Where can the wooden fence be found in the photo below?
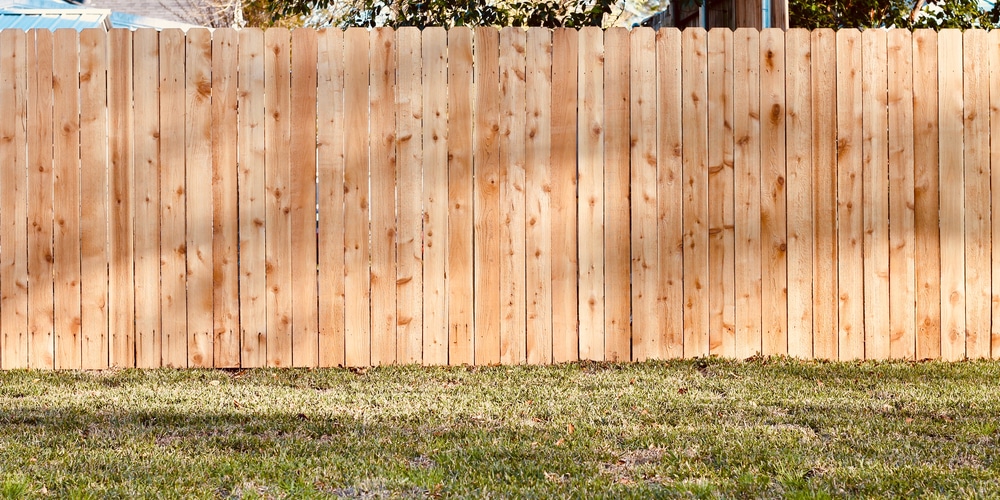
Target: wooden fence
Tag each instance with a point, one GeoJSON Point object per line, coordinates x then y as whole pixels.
{"type": "Point", "coordinates": [321, 198]}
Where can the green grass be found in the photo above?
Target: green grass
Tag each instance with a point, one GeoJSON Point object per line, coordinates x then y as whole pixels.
{"type": "Point", "coordinates": [706, 428]}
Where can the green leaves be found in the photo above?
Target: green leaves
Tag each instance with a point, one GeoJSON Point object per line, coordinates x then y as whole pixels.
{"type": "Point", "coordinates": [935, 14]}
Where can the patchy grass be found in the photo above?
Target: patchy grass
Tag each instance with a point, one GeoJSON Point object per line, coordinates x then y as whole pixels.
{"type": "Point", "coordinates": [705, 428]}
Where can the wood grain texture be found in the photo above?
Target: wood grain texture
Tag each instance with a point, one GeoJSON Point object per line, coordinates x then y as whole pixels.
{"type": "Point", "coordinates": [994, 63]}
{"type": "Point", "coordinates": [669, 342]}
{"type": "Point", "coordinates": [565, 326]}
{"type": "Point", "coordinates": [146, 220]}
{"type": "Point", "coordinates": [122, 202]}
{"type": "Point", "coordinates": [225, 200]}
{"type": "Point", "coordinates": [173, 265]}
{"type": "Point", "coordinates": [645, 255]}
{"type": "Point", "coordinates": [617, 239]}
{"type": "Point", "coordinates": [951, 166]}
{"type": "Point", "coordinates": [198, 187]}
{"type": "Point", "coordinates": [875, 168]}
{"type": "Point", "coordinates": [538, 196]}
{"type": "Point", "coordinates": [434, 165]}
{"type": "Point", "coordinates": [250, 182]}
{"type": "Point", "coordinates": [382, 169]}
{"type": "Point", "coordinates": [357, 278]}
{"type": "Point", "coordinates": [746, 191]}
{"type": "Point", "coordinates": [798, 164]}
{"type": "Point", "coordinates": [303, 190]}
{"type": "Point", "coordinates": [94, 199]}
{"type": "Point", "coordinates": [978, 237]}
{"type": "Point", "coordinates": [66, 199]}
{"type": "Point", "coordinates": [850, 229]}
{"type": "Point", "coordinates": [902, 285]}
{"type": "Point", "coordinates": [409, 185]}
{"type": "Point", "coordinates": [721, 274]}
{"type": "Point", "coordinates": [590, 198]}
{"type": "Point", "coordinates": [774, 293]}
{"type": "Point", "coordinates": [824, 194]}
{"type": "Point", "coordinates": [513, 105]}
{"type": "Point", "coordinates": [925, 194]}
{"type": "Point", "coordinates": [330, 143]}
{"type": "Point", "coordinates": [461, 326]}
{"type": "Point", "coordinates": [486, 195]}
{"type": "Point", "coordinates": [14, 205]}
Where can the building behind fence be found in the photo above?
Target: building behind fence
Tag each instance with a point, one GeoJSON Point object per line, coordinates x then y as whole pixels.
{"type": "Point", "coordinates": [323, 198]}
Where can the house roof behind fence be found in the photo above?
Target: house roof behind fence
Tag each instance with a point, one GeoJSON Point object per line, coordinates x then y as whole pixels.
{"type": "Point", "coordinates": [56, 14]}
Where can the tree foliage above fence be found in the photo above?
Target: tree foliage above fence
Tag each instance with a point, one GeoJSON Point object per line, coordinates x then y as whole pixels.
{"type": "Point", "coordinates": [910, 14]}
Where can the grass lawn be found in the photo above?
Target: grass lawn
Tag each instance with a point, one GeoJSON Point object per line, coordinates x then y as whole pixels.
{"type": "Point", "coordinates": [705, 428]}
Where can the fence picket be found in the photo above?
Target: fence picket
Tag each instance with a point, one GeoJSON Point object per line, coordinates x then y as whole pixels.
{"type": "Point", "coordinates": [774, 296]}
{"type": "Point", "coordinates": [994, 72]}
{"type": "Point", "coordinates": [357, 278]}
{"type": "Point", "coordinates": [198, 199]}
{"type": "Point", "coordinates": [850, 231]}
{"type": "Point", "coordinates": [225, 202]}
{"type": "Point", "coordinates": [66, 198]}
{"type": "Point", "coordinates": [746, 180]}
{"type": "Point", "coordinates": [435, 190]}
{"type": "Point", "coordinates": [798, 165]}
{"type": "Point", "coordinates": [538, 189]}
{"type": "Point", "coordinates": [824, 193]}
{"type": "Point", "coordinates": [409, 238]}
{"type": "Point", "coordinates": [302, 191]}
{"type": "Point", "coordinates": [902, 300]}
{"type": "Point", "coordinates": [978, 248]}
{"type": "Point", "coordinates": [486, 195]}
{"type": "Point", "coordinates": [14, 204]}
{"type": "Point", "coordinates": [617, 239]}
{"type": "Point", "coordinates": [461, 326]}
{"type": "Point", "coordinates": [250, 182]}
{"type": "Point", "coordinates": [41, 348]}
{"type": "Point", "coordinates": [721, 273]}
{"type": "Point", "coordinates": [565, 324]}
{"type": "Point", "coordinates": [952, 186]}
{"type": "Point", "coordinates": [590, 200]}
{"type": "Point", "coordinates": [330, 138]}
{"type": "Point", "coordinates": [513, 322]}
{"type": "Point", "coordinates": [669, 342]}
{"type": "Point", "coordinates": [645, 316]}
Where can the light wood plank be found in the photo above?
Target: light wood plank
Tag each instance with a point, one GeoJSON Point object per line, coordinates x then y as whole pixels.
{"type": "Point", "coordinates": [513, 337]}
{"type": "Point", "coordinates": [565, 325]}
{"type": "Point", "coordinates": [250, 184]}
{"type": "Point", "coordinates": [122, 318]}
{"type": "Point", "coordinates": [486, 195]}
{"type": "Point", "coordinates": [198, 202]}
{"type": "Point", "coordinates": [409, 238]}
{"type": "Point", "coordinates": [850, 229]}
{"type": "Point", "coordinates": [41, 348]}
{"type": "Point", "coordinates": [225, 200]}
{"type": "Point", "coordinates": [925, 193]}
{"type": "Point", "coordinates": [994, 63]}
{"type": "Point", "coordinates": [645, 316]}
{"type": "Point", "coordinates": [799, 219]}
{"type": "Point", "coordinates": [461, 327]}
{"type": "Point", "coordinates": [669, 342]}
{"type": "Point", "coordinates": [824, 194]}
{"type": "Point", "coordinates": [538, 189]}
{"type": "Point", "coordinates": [14, 204]}
{"type": "Point", "coordinates": [357, 279]}
{"type": "Point", "coordinates": [875, 167]}
{"type": "Point", "coordinates": [278, 197]}
{"type": "Point", "coordinates": [146, 162]}
{"type": "Point", "coordinates": [382, 154]}
{"type": "Point", "coordinates": [746, 180]}
{"type": "Point", "coordinates": [66, 198]}
{"type": "Point", "coordinates": [330, 153]}
{"type": "Point", "coordinates": [695, 198]}
{"type": "Point", "coordinates": [978, 240]}
{"type": "Point", "coordinates": [721, 275]}
{"type": "Point", "coordinates": [590, 199]}
{"type": "Point", "coordinates": [902, 285]}
{"type": "Point", "coordinates": [617, 238]}
{"type": "Point", "coordinates": [952, 193]}
{"type": "Point", "coordinates": [173, 271]}
{"type": "Point", "coordinates": [302, 190]}
{"type": "Point", "coordinates": [774, 293]}
{"type": "Point", "coordinates": [94, 198]}
{"type": "Point", "coordinates": [435, 192]}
